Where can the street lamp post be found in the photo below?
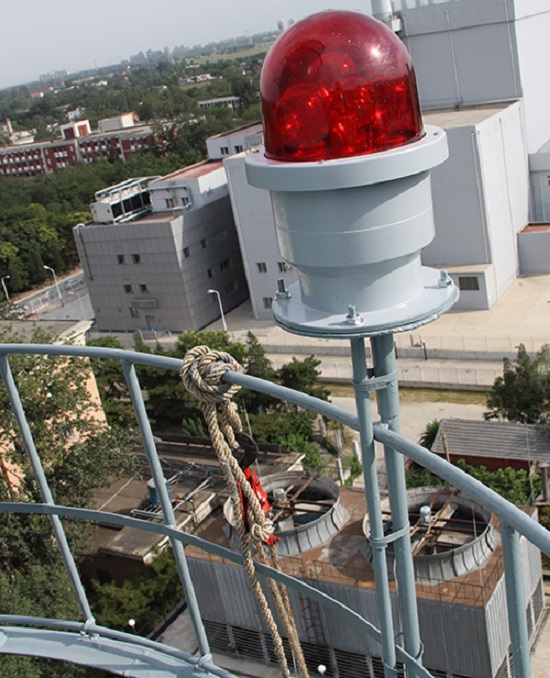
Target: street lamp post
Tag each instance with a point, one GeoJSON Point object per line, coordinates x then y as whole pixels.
{"type": "Point", "coordinates": [49, 268]}
{"type": "Point", "coordinates": [6, 277]}
{"type": "Point", "coordinates": [224, 324]}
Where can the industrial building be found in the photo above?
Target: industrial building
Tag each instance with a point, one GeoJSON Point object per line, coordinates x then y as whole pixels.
{"type": "Point", "coordinates": [324, 538]}
{"type": "Point", "coordinates": [156, 246]}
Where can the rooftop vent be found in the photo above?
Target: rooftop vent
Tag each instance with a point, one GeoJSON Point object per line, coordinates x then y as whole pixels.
{"type": "Point", "coordinates": [306, 509]}
{"type": "Point", "coordinates": [451, 535]}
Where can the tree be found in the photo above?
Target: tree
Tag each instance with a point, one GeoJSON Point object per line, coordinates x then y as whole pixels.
{"type": "Point", "coordinates": [112, 386]}
{"type": "Point", "coordinates": [427, 439]}
{"type": "Point", "coordinates": [523, 392]}
{"type": "Point", "coordinates": [79, 453]}
{"type": "Point", "coordinates": [303, 375]}
{"type": "Point", "coordinates": [256, 364]}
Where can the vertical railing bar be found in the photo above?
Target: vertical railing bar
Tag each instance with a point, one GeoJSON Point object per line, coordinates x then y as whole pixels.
{"type": "Point", "coordinates": [40, 476]}
{"type": "Point", "coordinates": [372, 492]}
{"type": "Point", "coordinates": [383, 354]}
{"type": "Point", "coordinates": [166, 504]}
{"type": "Point", "coordinates": [515, 597]}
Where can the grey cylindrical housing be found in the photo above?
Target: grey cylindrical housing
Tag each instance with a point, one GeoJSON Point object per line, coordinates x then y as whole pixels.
{"type": "Point", "coordinates": [354, 228]}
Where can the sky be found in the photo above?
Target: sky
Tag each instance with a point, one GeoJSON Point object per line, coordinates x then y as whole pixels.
{"type": "Point", "coordinates": [40, 36]}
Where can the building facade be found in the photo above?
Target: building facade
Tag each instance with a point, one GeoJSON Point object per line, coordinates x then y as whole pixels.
{"type": "Point", "coordinates": [155, 248]}
{"type": "Point", "coordinates": [78, 144]}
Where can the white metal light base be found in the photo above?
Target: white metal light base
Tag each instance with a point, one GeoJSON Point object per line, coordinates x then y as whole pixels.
{"type": "Point", "coordinates": [439, 293]}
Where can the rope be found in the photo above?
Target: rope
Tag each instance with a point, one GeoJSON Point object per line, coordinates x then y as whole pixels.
{"type": "Point", "coordinates": [202, 371]}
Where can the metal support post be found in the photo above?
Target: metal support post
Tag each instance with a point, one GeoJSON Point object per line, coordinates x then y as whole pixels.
{"type": "Point", "coordinates": [38, 470]}
{"type": "Point", "coordinates": [515, 597]}
{"type": "Point", "coordinates": [383, 356]}
{"type": "Point", "coordinates": [378, 543]}
{"type": "Point", "coordinates": [166, 504]}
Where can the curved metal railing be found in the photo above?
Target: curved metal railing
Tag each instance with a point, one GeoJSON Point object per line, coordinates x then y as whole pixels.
{"type": "Point", "coordinates": [88, 643]}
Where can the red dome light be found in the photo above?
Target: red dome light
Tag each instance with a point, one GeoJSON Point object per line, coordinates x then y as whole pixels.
{"type": "Point", "coordinates": [338, 84]}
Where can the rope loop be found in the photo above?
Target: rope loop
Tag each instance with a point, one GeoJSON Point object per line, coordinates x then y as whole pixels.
{"type": "Point", "coordinates": [202, 371]}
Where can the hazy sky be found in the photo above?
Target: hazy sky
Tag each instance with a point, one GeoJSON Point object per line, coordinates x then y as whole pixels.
{"type": "Point", "coordinates": [38, 36]}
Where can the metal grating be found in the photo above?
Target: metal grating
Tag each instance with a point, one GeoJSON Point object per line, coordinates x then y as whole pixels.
{"type": "Point", "coordinates": [272, 657]}
{"type": "Point", "coordinates": [217, 634]}
{"type": "Point", "coordinates": [248, 643]}
{"type": "Point", "coordinates": [438, 674]}
{"type": "Point", "coordinates": [529, 615]}
{"type": "Point", "coordinates": [537, 601]}
{"type": "Point", "coordinates": [315, 655]}
{"type": "Point", "coordinates": [378, 668]}
{"type": "Point", "coordinates": [351, 665]}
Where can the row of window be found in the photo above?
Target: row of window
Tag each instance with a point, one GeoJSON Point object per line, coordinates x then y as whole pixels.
{"type": "Point", "coordinates": [224, 150]}
{"type": "Point", "coordinates": [128, 289]}
{"type": "Point", "coordinates": [282, 265]}
{"type": "Point", "coordinates": [136, 258]}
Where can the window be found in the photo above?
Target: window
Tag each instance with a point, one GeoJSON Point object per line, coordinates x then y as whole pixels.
{"type": "Point", "coordinates": [283, 266]}
{"type": "Point", "coordinates": [127, 289]}
{"type": "Point", "coordinates": [185, 201]}
{"type": "Point", "coordinates": [238, 149]}
{"type": "Point", "coordinates": [231, 287]}
{"type": "Point", "coordinates": [170, 203]}
{"type": "Point", "coordinates": [136, 258]}
{"type": "Point", "coordinates": [225, 264]}
{"type": "Point", "coordinates": [134, 313]}
{"type": "Point", "coordinates": [210, 273]}
{"type": "Point", "coordinates": [186, 252]}
{"type": "Point", "coordinates": [203, 243]}
{"type": "Point", "coordinates": [120, 258]}
{"type": "Point", "coordinates": [468, 283]}
{"type": "Point", "coordinates": [262, 267]}
{"type": "Point", "coordinates": [268, 301]}
{"type": "Point", "coordinates": [224, 150]}
{"type": "Point", "coordinates": [143, 288]}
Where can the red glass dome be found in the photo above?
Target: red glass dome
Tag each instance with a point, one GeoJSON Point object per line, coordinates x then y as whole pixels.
{"type": "Point", "coordinates": [338, 84]}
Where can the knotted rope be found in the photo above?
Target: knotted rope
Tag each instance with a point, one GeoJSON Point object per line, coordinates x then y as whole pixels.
{"type": "Point", "coordinates": [202, 371]}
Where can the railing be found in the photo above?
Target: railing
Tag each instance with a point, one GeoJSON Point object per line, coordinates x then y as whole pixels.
{"type": "Point", "coordinates": [88, 643]}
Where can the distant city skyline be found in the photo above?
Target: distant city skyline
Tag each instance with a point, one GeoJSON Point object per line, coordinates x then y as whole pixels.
{"type": "Point", "coordinates": [41, 36]}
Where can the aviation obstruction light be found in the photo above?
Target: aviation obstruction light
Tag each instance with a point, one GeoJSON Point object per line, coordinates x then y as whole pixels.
{"type": "Point", "coordinates": [347, 163]}
{"type": "Point", "coordinates": [336, 85]}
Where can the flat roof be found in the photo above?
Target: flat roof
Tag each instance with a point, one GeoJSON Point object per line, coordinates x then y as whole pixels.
{"type": "Point", "coordinates": [462, 117]}
{"type": "Point", "coordinates": [342, 561]}
{"type": "Point", "coordinates": [192, 172]}
{"type": "Point", "coordinates": [254, 127]}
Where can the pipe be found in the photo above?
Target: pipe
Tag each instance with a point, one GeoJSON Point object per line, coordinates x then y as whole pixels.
{"type": "Point", "coordinates": [372, 492]}
{"type": "Point", "coordinates": [515, 597]}
{"type": "Point", "coordinates": [166, 504]}
{"type": "Point", "coordinates": [383, 355]}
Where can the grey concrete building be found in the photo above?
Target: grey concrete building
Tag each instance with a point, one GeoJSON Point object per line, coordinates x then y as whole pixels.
{"type": "Point", "coordinates": [156, 246]}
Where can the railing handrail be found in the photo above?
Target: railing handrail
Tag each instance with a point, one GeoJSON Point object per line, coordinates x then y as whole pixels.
{"type": "Point", "coordinates": [513, 519]}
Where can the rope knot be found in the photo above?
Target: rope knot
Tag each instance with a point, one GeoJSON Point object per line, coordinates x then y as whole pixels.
{"type": "Point", "coordinates": [202, 371]}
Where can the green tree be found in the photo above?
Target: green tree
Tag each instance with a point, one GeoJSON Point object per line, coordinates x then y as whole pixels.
{"type": "Point", "coordinates": [146, 598]}
{"type": "Point", "coordinates": [256, 364]}
{"type": "Point", "coordinates": [427, 439]}
{"type": "Point", "coordinates": [303, 375]}
{"type": "Point", "coordinates": [523, 392]}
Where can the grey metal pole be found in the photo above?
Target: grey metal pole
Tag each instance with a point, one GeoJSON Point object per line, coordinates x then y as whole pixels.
{"type": "Point", "coordinates": [34, 458]}
{"type": "Point", "coordinates": [166, 504]}
{"type": "Point", "coordinates": [515, 597]}
{"type": "Point", "coordinates": [372, 492]}
{"type": "Point", "coordinates": [383, 356]}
